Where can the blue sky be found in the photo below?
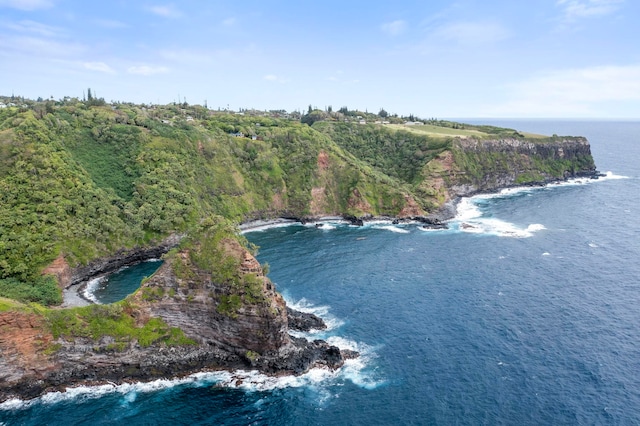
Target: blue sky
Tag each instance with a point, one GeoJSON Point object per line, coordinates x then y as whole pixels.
{"type": "Point", "coordinates": [468, 58]}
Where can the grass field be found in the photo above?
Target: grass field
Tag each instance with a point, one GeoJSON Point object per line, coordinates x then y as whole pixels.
{"type": "Point", "coordinates": [438, 131]}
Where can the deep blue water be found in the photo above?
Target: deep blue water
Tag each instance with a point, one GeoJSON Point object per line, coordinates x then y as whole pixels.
{"type": "Point", "coordinates": [529, 316]}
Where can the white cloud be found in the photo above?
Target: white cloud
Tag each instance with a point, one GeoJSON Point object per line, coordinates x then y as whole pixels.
{"type": "Point", "coordinates": [147, 70]}
{"type": "Point", "coordinates": [573, 92]}
{"type": "Point", "coordinates": [166, 11]}
{"type": "Point", "coordinates": [576, 9]}
{"type": "Point", "coordinates": [99, 66]}
{"type": "Point", "coordinates": [40, 47]}
{"type": "Point", "coordinates": [27, 26]}
{"type": "Point", "coordinates": [28, 5]}
{"type": "Point", "coordinates": [394, 28]}
{"type": "Point", "coordinates": [472, 33]}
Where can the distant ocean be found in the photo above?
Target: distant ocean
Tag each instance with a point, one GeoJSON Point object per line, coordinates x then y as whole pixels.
{"type": "Point", "coordinates": [527, 315]}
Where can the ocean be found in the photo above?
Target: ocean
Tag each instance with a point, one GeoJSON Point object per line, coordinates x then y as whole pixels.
{"type": "Point", "coordinates": [526, 311]}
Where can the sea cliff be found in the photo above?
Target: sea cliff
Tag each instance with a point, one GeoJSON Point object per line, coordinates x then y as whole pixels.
{"type": "Point", "coordinates": [86, 189]}
{"type": "Point", "coordinates": [184, 319]}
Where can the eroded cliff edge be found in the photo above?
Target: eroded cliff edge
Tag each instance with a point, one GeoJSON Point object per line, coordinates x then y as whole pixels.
{"type": "Point", "coordinates": [208, 307]}
{"type": "Point", "coordinates": [86, 187]}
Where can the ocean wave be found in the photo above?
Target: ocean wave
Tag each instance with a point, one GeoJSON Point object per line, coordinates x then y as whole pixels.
{"type": "Point", "coordinates": [470, 219]}
{"type": "Point", "coordinates": [303, 305]}
{"type": "Point", "coordinates": [356, 370]}
{"type": "Point", "coordinates": [264, 225]}
{"type": "Point", "coordinates": [89, 290]}
{"type": "Point", "coordinates": [325, 226]}
{"type": "Point", "coordinates": [392, 228]}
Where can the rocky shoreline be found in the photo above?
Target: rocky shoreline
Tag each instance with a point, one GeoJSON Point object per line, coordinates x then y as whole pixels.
{"type": "Point", "coordinates": [255, 337]}
{"type": "Point", "coordinates": [81, 365]}
{"type": "Point", "coordinates": [434, 220]}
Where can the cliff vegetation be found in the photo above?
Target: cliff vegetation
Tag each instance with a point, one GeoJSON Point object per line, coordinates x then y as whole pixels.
{"type": "Point", "coordinates": [83, 183]}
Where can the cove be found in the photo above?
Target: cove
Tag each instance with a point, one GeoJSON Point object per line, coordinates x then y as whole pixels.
{"type": "Point", "coordinates": [118, 285]}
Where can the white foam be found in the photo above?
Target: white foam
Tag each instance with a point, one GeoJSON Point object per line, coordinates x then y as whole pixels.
{"type": "Point", "coordinates": [392, 228]}
{"type": "Point", "coordinates": [261, 226]}
{"type": "Point", "coordinates": [251, 381]}
{"type": "Point", "coordinates": [303, 305]}
{"type": "Point", "coordinates": [469, 217]}
{"type": "Point", "coordinates": [91, 287]}
{"type": "Point", "coordinates": [355, 370]}
{"type": "Point", "coordinates": [325, 226]}
{"type": "Point", "coordinates": [467, 209]}
{"type": "Point", "coordinates": [427, 229]}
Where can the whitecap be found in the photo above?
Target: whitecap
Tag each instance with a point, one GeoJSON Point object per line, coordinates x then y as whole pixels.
{"type": "Point", "coordinates": [546, 253]}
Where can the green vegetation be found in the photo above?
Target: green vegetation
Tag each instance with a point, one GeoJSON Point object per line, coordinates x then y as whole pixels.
{"type": "Point", "coordinates": [215, 249]}
{"type": "Point", "coordinates": [10, 305]}
{"type": "Point", "coordinates": [86, 178]}
{"type": "Point", "coordinates": [43, 290]}
{"type": "Point", "coordinates": [115, 321]}
{"type": "Point", "coordinates": [398, 153]}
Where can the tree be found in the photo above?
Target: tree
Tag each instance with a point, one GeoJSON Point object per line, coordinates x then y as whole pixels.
{"type": "Point", "coordinates": [383, 113]}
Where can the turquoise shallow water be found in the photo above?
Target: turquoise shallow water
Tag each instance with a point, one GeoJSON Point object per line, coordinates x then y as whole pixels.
{"type": "Point", "coordinates": [528, 317]}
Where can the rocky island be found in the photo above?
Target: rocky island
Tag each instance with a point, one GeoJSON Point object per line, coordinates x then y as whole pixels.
{"type": "Point", "coordinates": [87, 187]}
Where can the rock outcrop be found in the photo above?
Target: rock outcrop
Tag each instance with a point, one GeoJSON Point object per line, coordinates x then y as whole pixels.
{"type": "Point", "coordinates": [225, 326]}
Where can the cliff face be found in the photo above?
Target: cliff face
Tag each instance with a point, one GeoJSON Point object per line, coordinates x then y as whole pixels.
{"type": "Point", "coordinates": [473, 165]}
{"type": "Point", "coordinates": [235, 319]}
{"type": "Point", "coordinates": [196, 322]}
{"type": "Point", "coordinates": [210, 305]}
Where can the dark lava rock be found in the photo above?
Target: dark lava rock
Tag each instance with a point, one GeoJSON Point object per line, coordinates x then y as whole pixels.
{"type": "Point", "coordinates": [302, 321]}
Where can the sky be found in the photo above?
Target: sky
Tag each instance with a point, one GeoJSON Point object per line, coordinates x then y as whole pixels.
{"type": "Point", "coordinates": [442, 59]}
